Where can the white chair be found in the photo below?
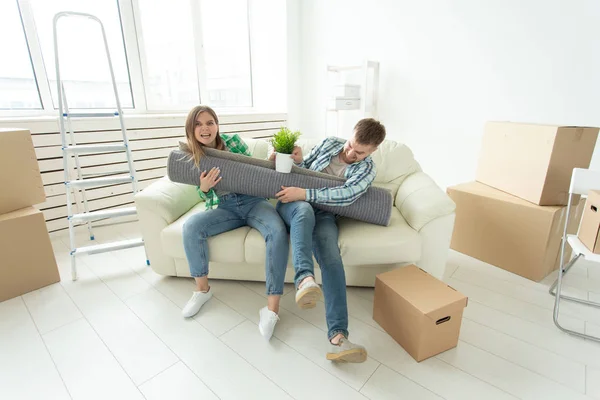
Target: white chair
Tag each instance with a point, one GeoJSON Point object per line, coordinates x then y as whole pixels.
{"type": "Point", "coordinates": [582, 181]}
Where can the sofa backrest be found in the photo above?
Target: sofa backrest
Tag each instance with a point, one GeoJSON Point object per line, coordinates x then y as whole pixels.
{"type": "Point", "coordinates": [394, 161]}
{"type": "Point", "coordinates": [259, 148]}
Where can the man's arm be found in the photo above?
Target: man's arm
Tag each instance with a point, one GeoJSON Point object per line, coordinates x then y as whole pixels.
{"type": "Point", "coordinates": [312, 156]}
{"type": "Point", "coordinates": [347, 193]}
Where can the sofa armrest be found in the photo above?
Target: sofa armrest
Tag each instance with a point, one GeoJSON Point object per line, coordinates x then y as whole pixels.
{"type": "Point", "coordinates": [167, 199]}
{"type": "Point", "coordinates": [420, 201]}
{"type": "Point", "coordinates": [158, 206]}
{"type": "Point", "coordinates": [435, 243]}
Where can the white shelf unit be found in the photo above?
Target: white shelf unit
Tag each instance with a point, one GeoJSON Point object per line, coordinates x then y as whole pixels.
{"type": "Point", "coordinates": [367, 77]}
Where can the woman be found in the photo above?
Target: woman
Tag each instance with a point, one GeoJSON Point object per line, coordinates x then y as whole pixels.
{"type": "Point", "coordinates": [232, 211]}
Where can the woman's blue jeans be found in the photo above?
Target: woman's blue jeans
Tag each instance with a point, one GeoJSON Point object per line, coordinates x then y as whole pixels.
{"type": "Point", "coordinates": [234, 211]}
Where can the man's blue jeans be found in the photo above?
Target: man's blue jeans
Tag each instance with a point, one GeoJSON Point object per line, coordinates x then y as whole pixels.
{"type": "Point", "coordinates": [316, 231]}
{"type": "Point", "coordinates": [234, 211]}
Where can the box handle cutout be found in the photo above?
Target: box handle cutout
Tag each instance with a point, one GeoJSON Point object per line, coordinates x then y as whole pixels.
{"type": "Point", "coordinates": [594, 208]}
{"type": "Point", "coordinates": [442, 320]}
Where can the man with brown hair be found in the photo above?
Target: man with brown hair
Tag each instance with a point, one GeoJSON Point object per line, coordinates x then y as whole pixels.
{"type": "Point", "coordinates": [316, 230]}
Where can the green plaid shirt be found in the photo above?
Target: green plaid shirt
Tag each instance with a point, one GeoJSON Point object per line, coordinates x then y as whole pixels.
{"type": "Point", "coordinates": [234, 144]}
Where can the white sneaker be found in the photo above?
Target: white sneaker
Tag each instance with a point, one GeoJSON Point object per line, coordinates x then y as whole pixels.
{"type": "Point", "coordinates": [308, 295]}
{"type": "Point", "coordinates": [346, 351]}
{"type": "Point", "coordinates": [268, 320]}
{"type": "Point", "coordinates": [195, 303]}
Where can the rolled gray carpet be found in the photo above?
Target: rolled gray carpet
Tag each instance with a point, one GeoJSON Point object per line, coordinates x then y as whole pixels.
{"type": "Point", "coordinates": [256, 177]}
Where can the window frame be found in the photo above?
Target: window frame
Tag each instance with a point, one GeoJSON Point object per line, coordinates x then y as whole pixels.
{"type": "Point", "coordinates": [134, 51]}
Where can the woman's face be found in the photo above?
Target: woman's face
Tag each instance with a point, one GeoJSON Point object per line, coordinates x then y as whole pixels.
{"type": "Point", "coordinates": [205, 129]}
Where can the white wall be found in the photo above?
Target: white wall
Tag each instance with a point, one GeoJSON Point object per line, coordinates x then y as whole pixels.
{"type": "Point", "coordinates": [449, 66]}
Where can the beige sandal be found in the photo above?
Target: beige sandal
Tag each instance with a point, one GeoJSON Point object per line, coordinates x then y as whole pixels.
{"type": "Point", "coordinates": [308, 295]}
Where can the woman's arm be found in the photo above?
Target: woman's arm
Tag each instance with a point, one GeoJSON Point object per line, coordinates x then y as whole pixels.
{"type": "Point", "coordinates": [210, 198]}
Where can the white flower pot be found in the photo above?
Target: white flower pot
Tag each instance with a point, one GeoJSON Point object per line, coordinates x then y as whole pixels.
{"type": "Point", "coordinates": [283, 163]}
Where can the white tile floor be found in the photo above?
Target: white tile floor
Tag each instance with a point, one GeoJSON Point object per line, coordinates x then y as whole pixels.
{"type": "Point", "coordinates": [117, 333]}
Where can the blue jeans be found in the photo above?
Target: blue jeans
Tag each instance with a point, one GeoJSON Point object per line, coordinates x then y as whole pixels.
{"type": "Point", "coordinates": [234, 211]}
{"type": "Point", "coordinates": [316, 231]}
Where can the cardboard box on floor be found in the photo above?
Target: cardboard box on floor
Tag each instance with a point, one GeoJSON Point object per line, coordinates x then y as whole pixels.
{"type": "Point", "coordinates": [27, 260]}
{"type": "Point", "coordinates": [420, 312]}
{"type": "Point", "coordinates": [534, 162]}
{"type": "Point", "coordinates": [20, 177]}
{"type": "Point", "coordinates": [590, 223]}
{"type": "Point", "coordinates": [509, 232]}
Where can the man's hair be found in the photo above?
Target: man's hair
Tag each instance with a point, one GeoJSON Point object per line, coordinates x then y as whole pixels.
{"type": "Point", "coordinates": [369, 131]}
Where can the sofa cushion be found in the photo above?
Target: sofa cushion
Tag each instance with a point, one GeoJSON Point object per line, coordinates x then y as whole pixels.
{"type": "Point", "coordinates": [360, 243]}
{"type": "Point", "coordinates": [259, 148]}
{"type": "Point", "coordinates": [363, 244]}
{"type": "Point", "coordinates": [226, 247]}
{"type": "Point", "coordinates": [394, 162]}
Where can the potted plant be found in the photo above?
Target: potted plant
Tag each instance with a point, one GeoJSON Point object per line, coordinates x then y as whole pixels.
{"type": "Point", "coordinates": [283, 142]}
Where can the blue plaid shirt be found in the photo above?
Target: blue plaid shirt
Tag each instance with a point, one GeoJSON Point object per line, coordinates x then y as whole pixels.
{"type": "Point", "coordinates": [359, 175]}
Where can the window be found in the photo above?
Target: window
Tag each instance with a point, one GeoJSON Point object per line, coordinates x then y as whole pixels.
{"type": "Point", "coordinates": [83, 64]}
{"type": "Point", "coordinates": [172, 60]}
{"type": "Point", "coordinates": [226, 52]}
{"type": "Point", "coordinates": [168, 55]}
{"type": "Point", "coordinates": [18, 87]}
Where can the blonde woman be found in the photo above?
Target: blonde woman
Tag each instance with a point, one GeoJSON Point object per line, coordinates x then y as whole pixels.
{"type": "Point", "coordinates": [226, 211]}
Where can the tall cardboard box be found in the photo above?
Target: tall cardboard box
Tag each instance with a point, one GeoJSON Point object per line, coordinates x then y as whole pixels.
{"type": "Point", "coordinates": [590, 223]}
{"type": "Point", "coordinates": [534, 162]}
{"type": "Point", "coordinates": [420, 312]}
{"type": "Point", "coordinates": [509, 232]}
{"type": "Point", "coordinates": [20, 177]}
{"type": "Point", "coordinates": [27, 260]}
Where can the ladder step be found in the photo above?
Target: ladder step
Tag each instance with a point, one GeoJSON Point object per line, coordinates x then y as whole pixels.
{"type": "Point", "coordinates": [93, 215]}
{"type": "Point", "coordinates": [91, 115]}
{"type": "Point", "coordinates": [94, 148]}
{"type": "Point", "coordinates": [117, 172]}
{"type": "Point", "coordinates": [101, 248]}
{"type": "Point", "coordinates": [84, 183]}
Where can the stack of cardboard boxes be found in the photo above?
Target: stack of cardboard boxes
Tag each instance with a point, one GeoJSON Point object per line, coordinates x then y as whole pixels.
{"type": "Point", "coordinates": [27, 260]}
{"type": "Point", "coordinates": [513, 216]}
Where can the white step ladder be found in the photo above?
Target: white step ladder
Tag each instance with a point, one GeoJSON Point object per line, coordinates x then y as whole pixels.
{"type": "Point", "coordinates": [71, 150]}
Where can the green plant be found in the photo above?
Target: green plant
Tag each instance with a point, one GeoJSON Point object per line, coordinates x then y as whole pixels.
{"type": "Point", "coordinates": [284, 141]}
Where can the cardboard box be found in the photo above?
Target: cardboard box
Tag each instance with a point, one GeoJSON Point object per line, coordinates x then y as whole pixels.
{"type": "Point", "coordinates": [420, 312]}
{"type": "Point", "coordinates": [28, 261]}
{"type": "Point", "coordinates": [20, 177]}
{"type": "Point", "coordinates": [346, 91]}
{"type": "Point", "coordinates": [534, 162]}
{"type": "Point", "coordinates": [340, 103]}
{"type": "Point", "coordinates": [509, 232]}
{"type": "Point", "coordinates": [590, 223]}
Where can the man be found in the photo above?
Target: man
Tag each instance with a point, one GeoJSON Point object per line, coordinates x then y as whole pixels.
{"type": "Point", "coordinates": [316, 231]}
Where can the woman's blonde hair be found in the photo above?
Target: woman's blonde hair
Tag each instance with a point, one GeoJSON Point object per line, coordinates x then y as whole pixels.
{"type": "Point", "coordinates": [193, 145]}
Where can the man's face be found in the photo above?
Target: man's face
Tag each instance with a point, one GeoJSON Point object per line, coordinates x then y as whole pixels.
{"type": "Point", "coordinates": [355, 152]}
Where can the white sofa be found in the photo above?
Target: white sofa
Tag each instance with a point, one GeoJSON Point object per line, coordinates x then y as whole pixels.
{"type": "Point", "coordinates": [419, 233]}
